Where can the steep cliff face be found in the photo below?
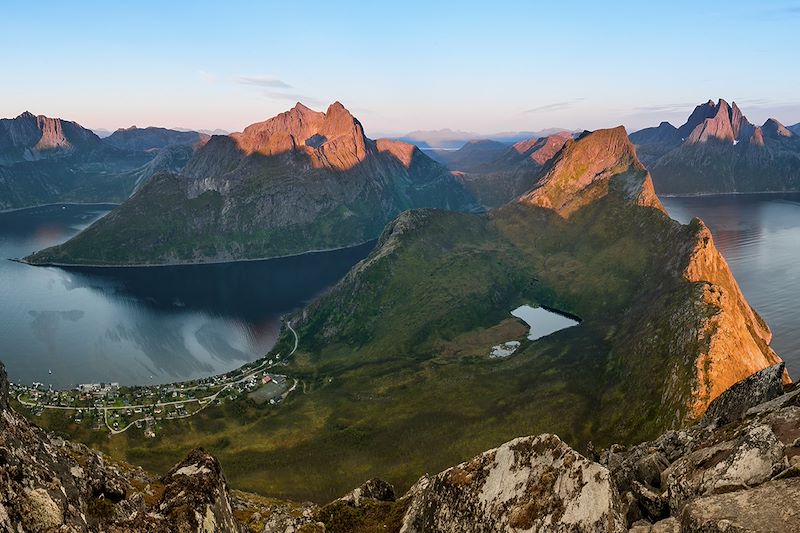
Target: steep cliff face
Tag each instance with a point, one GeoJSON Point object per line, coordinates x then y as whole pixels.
{"type": "Point", "coordinates": [736, 337]}
{"type": "Point", "coordinates": [301, 181]}
{"type": "Point", "coordinates": [718, 150]}
{"type": "Point", "coordinates": [29, 138]}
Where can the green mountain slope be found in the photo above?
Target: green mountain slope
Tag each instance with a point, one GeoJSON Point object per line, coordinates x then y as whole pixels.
{"type": "Point", "coordinates": [301, 181]}
{"type": "Point", "coordinates": [393, 371]}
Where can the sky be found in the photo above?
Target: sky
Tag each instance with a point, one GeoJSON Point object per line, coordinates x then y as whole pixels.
{"type": "Point", "coordinates": [399, 66]}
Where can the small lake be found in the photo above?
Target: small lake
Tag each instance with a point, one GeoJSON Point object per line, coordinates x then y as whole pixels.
{"type": "Point", "coordinates": [759, 236]}
{"type": "Point", "coordinates": [142, 325]}
{"type": "Point", "coordinates": [542, 322]}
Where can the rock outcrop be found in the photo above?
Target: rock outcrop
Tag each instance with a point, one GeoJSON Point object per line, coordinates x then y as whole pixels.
{"type": "Point", "coordinates": [528, 484]}
{"type": "Point", "coordinates": [731, 405]}
{"type": "Point", "coordinates": [50, 484]}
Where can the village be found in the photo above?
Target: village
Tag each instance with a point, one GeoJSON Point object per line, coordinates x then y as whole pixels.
{"type": "Point", "coordinates": [118, 408]}
{"type": "Point", "coordinates": [115, 408]}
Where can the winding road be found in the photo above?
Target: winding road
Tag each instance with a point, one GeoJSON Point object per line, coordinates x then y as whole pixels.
{"type": "Point", "coordinates": [204, 402]}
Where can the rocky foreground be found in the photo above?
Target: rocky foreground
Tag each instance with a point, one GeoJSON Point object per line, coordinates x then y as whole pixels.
{"type": "Point", "coordinates": [738, 470]}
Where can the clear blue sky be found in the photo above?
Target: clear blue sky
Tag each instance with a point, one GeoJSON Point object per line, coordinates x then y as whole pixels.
{"type": "Point", "coordinates": [479, 66]}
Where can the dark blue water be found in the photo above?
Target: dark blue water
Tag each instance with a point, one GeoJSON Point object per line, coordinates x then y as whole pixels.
{"type": "Point", "coordinates": [759, 236]}
{"type": "Point", "coordinates": [142, 325]}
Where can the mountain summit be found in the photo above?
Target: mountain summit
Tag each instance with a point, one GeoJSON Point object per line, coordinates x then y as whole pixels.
{"type": "Point", "coordinates": [597, 164]}
{"type": "Point", "coordinates": [30, 137]}
{"type": "Point", "coordinates": [301, 181]}
{"type": "Point", "coordinates": [718, 150]}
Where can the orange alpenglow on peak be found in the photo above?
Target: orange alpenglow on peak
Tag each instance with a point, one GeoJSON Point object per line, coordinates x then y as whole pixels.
{"type": "Point", "coordinates": [334, 138]}
{"type": "Point", "coordinates": [598, 164]}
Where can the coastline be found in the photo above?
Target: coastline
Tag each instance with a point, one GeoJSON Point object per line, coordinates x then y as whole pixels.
{"type": "Point", "coordinates": [734, 193]}
{"type": "Point", "coordinates": [104, 204]}
{"type": "Point", "coordinates": [189, 263]}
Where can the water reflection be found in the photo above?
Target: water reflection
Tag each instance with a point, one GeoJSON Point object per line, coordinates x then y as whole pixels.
{"type": "Point", "coordinates": [142, 325]}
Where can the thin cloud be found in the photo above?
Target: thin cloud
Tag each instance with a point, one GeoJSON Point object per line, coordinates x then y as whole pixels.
{"type": "Point", "coordinates": [294, 97]}
{"type": "Point", "coordinates": [263, 81]}
{"type": "Point", "coordinates": [786, 11]}
{"type": "Point", "coordinates": [664, 108]}
{"type": "Point", "coordinates": [556, 106]}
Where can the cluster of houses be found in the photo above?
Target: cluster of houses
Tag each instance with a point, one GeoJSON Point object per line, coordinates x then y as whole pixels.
{"type": "Point", "coordinates": [118, 407]}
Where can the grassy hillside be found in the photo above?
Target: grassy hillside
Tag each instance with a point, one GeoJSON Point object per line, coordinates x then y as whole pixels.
{"type": "Point", "coordinates": [395, 377]}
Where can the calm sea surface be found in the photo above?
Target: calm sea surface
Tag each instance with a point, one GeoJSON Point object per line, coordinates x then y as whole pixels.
{"type": "Point", "coordinates": [141, 325]}
{"type": "Point", "coordinates": [155, 325]}
{"type": "Point", "coordinates": [759, 235]}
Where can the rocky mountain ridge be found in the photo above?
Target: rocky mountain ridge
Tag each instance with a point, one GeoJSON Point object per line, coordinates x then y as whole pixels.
{"type": "Point", "coordinates": [49, 160]}
{"type": "Point", "coordinates": [30, 137]}
{"type": "Point", "coordinates": [718, 150]}
{"type": "Point", "coordinates": [301, 181]}
{"type": "Point", "coordinates": [152, 138]}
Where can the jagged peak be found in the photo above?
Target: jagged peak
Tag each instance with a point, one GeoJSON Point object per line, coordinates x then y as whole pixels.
{"type": "Point", "coordinates": [772, 127]}
{"type": "Point", "coordinates": [595, 165]}
{"type": "Point", "coordinates": [337, 107]}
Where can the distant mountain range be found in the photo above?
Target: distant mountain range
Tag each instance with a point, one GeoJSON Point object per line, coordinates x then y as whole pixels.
{"type": "Point", "coordinates": [718, 150]}
{"type": "Point", "coordinates": [447, 139]}
{"type": "Point", "coordinates": [496, 173]}
{"type": "Point", "coordinates": [146, 139]}
{"type": "Point", "coordinates": [301, 181]}
{"type": "Point", "coordinates": [46, 160]}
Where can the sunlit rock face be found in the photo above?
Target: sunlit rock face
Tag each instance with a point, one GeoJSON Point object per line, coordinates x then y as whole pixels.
{"type": "Point", "coordinates": [718, 150]}
{"type": "Point", "coordinates": [301, 181]}
{"type": "Point", "coordinates": [528, 484]}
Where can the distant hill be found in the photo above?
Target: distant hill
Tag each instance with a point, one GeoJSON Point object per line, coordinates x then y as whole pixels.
{"type": "Point", "coordinates": [496, 176]}
{"type": "Point", "coordinates": [102, 132]}
{"type": "Point", "coordinates": [151, 138]}
{"type": "Point", "coordinates": [46, 160]}
{"type": "Point", "coordinates": [301, 181]}
{"type": "Point", "coordinates": [447, 139]}
{"type": "Point", "coordinates": [718, 150]}
{"type": "Point", "coordinates": [471, 155]}
{"type": "Point", "coordinates": [207, 132]}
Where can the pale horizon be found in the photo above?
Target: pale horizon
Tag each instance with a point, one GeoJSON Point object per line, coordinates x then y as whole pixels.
{"type": "Point", "coordinates": [513, 67]}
